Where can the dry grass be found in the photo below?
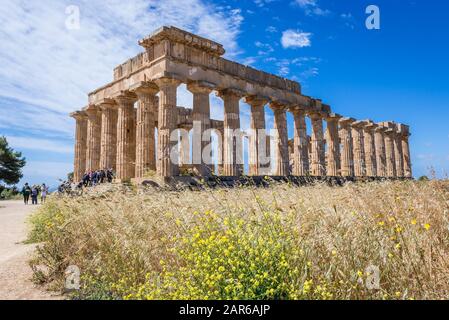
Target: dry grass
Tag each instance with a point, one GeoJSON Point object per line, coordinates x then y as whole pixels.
{"type": "Point", "coordinates": [314, 242]}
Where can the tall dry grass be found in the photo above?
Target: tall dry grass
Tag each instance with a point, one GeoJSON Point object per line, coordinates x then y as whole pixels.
{"type": "Point", "coordinates": [282, 242]}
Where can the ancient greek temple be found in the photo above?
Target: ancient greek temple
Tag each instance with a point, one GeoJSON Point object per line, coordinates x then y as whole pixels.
{"type": "Point", "coordinates": [128, 124]}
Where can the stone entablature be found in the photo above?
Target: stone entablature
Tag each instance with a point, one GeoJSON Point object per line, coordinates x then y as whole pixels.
{"type": "Point", "coordinates": [168, 55]}
{"type": "Point", "coordinates": [117, 128]}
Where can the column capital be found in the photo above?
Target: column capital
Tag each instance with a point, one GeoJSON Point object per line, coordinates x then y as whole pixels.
{"type": "Point", "coordinates": [370, 126]}
{"type": "Point", "coordinates": [79, 115]}
{"type": "Point", "coordinates": [257, 100]}
{"type": "Point", "coordinates": [201, 87]}
{"type": "Point", "coordinates": [280, 105]}
{"type": "Point", "coordinates": [346, 121]}
{"type": "Point", "coordinates": [143, 87]}
{"type": "Point", "coordinates": [125, 97]}
{"type": "Point", "coordinates": [332, 117]}
{"type": "Point", "coordinates": [316, 115]}
{"type": "Point", "coordinates": [231, 92]}
{"type": "Point", "coordinates": [359, 124]}
{"type": "Point", "coordinates": [105, 104]}
{"type": "Point", "coordinates": [92, 110]}
{"type": "Point", "coordinates": [380, 129]}
{"type": "Point", "coordinates": [171, 80]}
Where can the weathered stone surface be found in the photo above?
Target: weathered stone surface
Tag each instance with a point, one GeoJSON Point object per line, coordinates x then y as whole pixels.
{"type": "Point", "coordinates": [370, 148]}
{"type": "Point", "coordinates": [333, 163]}
{"type": "Point", "coordinates": [318, 167]}
{"type": "Point", "coordinates": [108, 153]}
{"type": "Point", "coordinates": [93, 138]}
{"type": "Point", "coordinates": [359, 148]}
{"type": "Point", "coordinates": [300, 143]}
{"type": "Point", "coordinates": [347, 153]}
{"type": "Point", "coordinates": [80, 144]}
{"type": "Point", "coordinates": [381, 158]}
{"type": "Point", "coordinates": [166, 125]}
{"type": "Point", "coordinates": [280, 161]}
{"type": "Point", "coordinates": [126, 136]}
{"type": "Point", "coordinates": [232, 142]}
{"type": "Point", "coordinates": [147, 105]}
{"type": "Point", "coordinates": [258, 151]}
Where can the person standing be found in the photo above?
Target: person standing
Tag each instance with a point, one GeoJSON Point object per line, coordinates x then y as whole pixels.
{"type": "Point", "coordinates": [44, 192]}
{"type": "Point", "coordinates": [34, 194]}
{"type": "Point", "coordinates": [26, 191]}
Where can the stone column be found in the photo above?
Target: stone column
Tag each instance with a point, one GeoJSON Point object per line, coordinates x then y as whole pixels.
{"type": "Point", "coordinates": [201, 124]}
{"type": "Point", "coordinates": [281, 164]}
{"type": "Point", "coordinates": [93, 138]}
{"type": "Point", "coordinates": [258, 153]}
{"type": "Point", "coordinates": [370, 149]}
{"type": "Point", "coordinates": [398, 154]}
{"type": "Point", "coordinates": [333, 145]}
{"type": "Point", "coordinates": [126, 136]}
{"type": "Point", "coordinates": [359, 149]}
{"type": "Point", "coordinates": [80, 145]}
{"type": "Point", "coordinates": [318, 155]}
{"type": "Point", "coordinates": [145, 123]}
{"type": "Point", "coordinates": [167, 123]}
{"type": "Point", "coordinates": [220, 136]}
{"type": "Point", "coordinates": [405, 134]}
{"type": "Point", "coordinates": [347, 155]}
{"type": "Point", "coordinates": [389, 150]}
{"type": "Point", "coordinates": [184, 145]}
{"type": "Point", "coordinates": [108, 154]}
{"type": "Point", "coordinates": [381, 160]}
{"type": "Point", "coordinates": [300, 143]}
{"type": "Point", "coordinates": [232, 141]}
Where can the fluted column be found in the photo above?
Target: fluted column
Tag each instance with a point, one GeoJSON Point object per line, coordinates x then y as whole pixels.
{"type": "Point", "coordinates": [370, 149]}
{"type": "Point", "coordinates": [281, 161]}
{"type": "Point", "coordinates": [347, 155]}
{"type": "Point", "coordinates": [80, 145]}
{"type": "Point", "coordinates": [232, 144]}
{"type": "Point", "coordinates": [405, 134]}
{"type": "Point", "coordinates": [258, 153]}
{"type": "Point", "coordinates": [398, 154]}
{"type": "Point", "coordinates": [167, 123]}
{"type": "Point", "coordinates": [389, 150]}
{"type": "Point", "coordinates": [220, 136]}
{"type": "Point", "coordinates": [145, 123]}
{"type": "Point", "coordinates": [318, 156]}
{"type": "Point", "coordinates": [333, 164]}
{"type": "Point", "coordinates": [201, 125]}
{"type": "Point", "coordinates": [359, 149]}
{"type": "Point", "coordinates": [381, 159]}
{"type": "Point", "coordinates": [300, 143]}
{"type": "Point", "coordinates": [108, 153]}
{"type": "Point", "coordinates": [184, 146]}
{"type": "Point", "coordinates": [93, 138]}
{"type": "Point", "coordinates": [126, 136]}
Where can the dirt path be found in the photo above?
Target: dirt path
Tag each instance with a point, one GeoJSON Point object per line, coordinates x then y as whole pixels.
{"type": "Point", "coordinates": [15, 273]}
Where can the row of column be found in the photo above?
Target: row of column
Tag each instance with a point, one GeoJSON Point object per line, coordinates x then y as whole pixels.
{"type": "Point", "coordinates": [114, 135]}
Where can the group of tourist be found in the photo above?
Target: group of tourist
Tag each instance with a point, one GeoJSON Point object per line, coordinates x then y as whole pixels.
{"type": "Point", "coordinates": [34, 192]}
{"type": "Point", "coordinates": [93, 178]}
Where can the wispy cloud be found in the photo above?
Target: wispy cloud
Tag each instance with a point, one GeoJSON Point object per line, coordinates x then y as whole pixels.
{"type": "Point", "coordinates": [296, 39]}
{"type": "Point", "coordinates": [311, 7]}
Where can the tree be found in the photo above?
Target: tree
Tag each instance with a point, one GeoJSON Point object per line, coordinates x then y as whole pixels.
{"type": "Point", "coordinates": [11, 163]}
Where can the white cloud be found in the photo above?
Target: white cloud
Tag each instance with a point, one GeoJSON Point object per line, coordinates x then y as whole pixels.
{"type": "Point", "coordinates": [295, 39]}
{"type": "Point", "coordinates": [271, 29]}
{"type": "Point", "coordinates": [311, 7]}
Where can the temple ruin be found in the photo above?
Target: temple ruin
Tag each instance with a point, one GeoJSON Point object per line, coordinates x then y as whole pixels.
{"type": "Point", "coordinates": [128, 123]}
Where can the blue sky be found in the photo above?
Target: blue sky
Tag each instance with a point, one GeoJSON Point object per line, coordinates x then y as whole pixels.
{"type": "Point", "coordinates": [399, 72]}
